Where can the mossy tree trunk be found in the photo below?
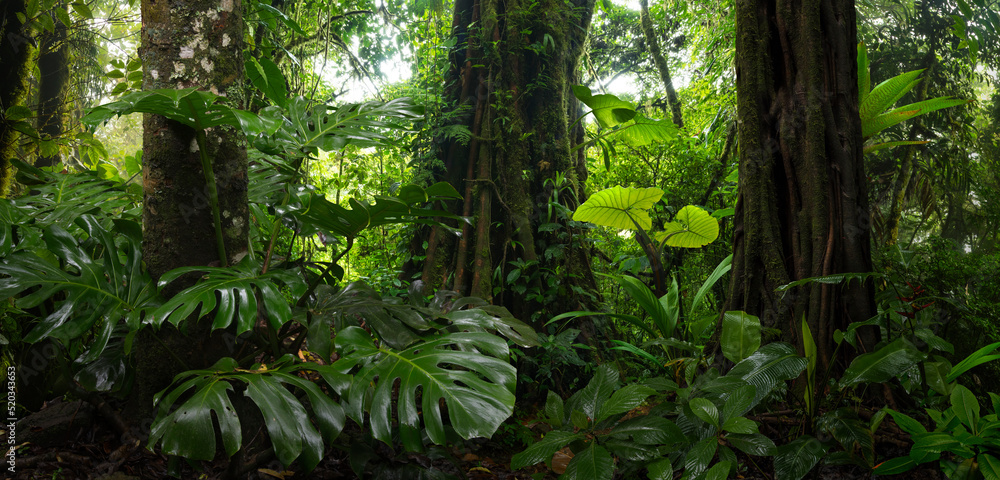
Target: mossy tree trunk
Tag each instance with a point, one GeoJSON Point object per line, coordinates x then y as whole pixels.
{"type": "Point", "coordinates": [802, 207]}
{"type": "Point", "coordinates": [519, 173]}
{"type": "Point", "coordinates": [53, 83]}
{"type": "Point", "coordinates": [16, 54]}
{"type": "Point", "coordinates": [189, 43]}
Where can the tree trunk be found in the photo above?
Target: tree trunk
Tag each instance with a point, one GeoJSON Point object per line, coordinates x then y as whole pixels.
{"type": "Point", "coordinates": [802, 207]}
{"type": "Point", "coordinates": [53, 70]}
{"type": "Point", "coordinates": [518, 171]}
{"type": "Point", "coordinates": [661, 63]}
{"type": "Point", "coordinates": [16, 53]}
{"type": "Point", "coordinates": [185, 44]}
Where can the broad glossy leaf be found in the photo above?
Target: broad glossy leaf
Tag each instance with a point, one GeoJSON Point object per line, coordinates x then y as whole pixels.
{"type": "Point", "coordinates": [265, 75]}
{"type": "Point", "coordinates": [619, 207]}
{"type": "Point", "coordinates": [975, 359]}
{"type": "Point", "coordinates": [740, 335]}
{"type": "Point", "coordinates": [989, 466]}
{"type": "Point", "coordinates": [661, 469]}
{"type": "Point", "coordinates": [305, 126]}
{"type": "Point", "coordinates": [795, 460]}
{"type": "Point", "coordinates": [699, 456]}
{"type": "Point", "coordinates": [719, 471]}
{"type": "Point", "coordinates": [554, 411]}
{"type": "Point", "coordinates": [883, 364]}
{"type": "Point", "coordinates": [590, 398]}
{"type": "Point", "coordinates": [895, 466]}
{"type": "Point", "coordinates": [741, 425]}
{"type": "Point", "coordinates": [864, 81]}
{"type": "Point", "coordinates": [188, 431]}
{"type": "Point", "coordinates": [665, 320]}
{"type": "Point", "coordinates": [623, 400]}
{"type": "Point", "coordinates": [593, 463]}
{"type": "Point", "coordinates": [752, 443]}
{"type": "Point", "coordinates": [906, 112]}
{"type": "Point", "coordinates": [705, 410]}
{"type": "Point", "coordinates": [90, 295]}
{"type": "Point", "coordinates": [60, 198]}
{"type": "Point", "coordinates": [693, 227]}
{"type": "Point", "coordinates": [314, 213]}
{"type": "Point", "coordinates": [195, 108]}
{"type": "Point", "coordinates": [649, 430]}
{"type": "Point", "coordinates": [966, 407]}
{"type": "Point", "coordinates": [542, 450]}
{"type": "Point", "coordinates": [853, 434]}
{"type": "Point", "coordinates": [771, 364]}
{"type": "Point", "coordinates": [292, 435]}
{"type": "Point", "coordinates": [929, 446]}
{"type": "Point", "coordinates": [477, 389]}
{"type": "Point", "coordinates": [234, 290]}
{"type": "Point", "coordinates": [609, 110]}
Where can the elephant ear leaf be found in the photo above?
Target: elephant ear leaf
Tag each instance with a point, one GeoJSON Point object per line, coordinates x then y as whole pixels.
{"type": "Point", "coordinates": [691, 228]}
{"type": "Point", "coordinates": [467, 371]}
{"type": "Point", "coordinates": [609, 110]}
{"type": "Point", "coordinates": [619, 207]}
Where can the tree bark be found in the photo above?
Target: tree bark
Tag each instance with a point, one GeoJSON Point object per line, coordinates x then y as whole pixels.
{"type": "Point", "coordinates": [190, 43]}
{"type": "Point", "coordinates": [802, 207]}
{"type": "Point", "coordinates": [518, 170]}
{"type": "Point", "coordinates": [16, 54]}
{"type": "Point", "coordinates": [53, 71]}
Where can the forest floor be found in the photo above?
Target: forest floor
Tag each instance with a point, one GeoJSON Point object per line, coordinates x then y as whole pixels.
{"type": "Point", "coordinates": [90, 449]}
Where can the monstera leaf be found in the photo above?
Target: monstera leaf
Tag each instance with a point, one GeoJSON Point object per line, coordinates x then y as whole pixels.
{"type": "Point", "coordinates": [195, 108]}
{"type": "Point", "coordinates": [231, 291]}
{"type": "Point", "coordinates": [691, 228]}
{"type": "Point", "coordinates": [61, 198]}
{"type": "Point", "coordinates": [90, 294]}
{"type": "Point", "coordinates": [619, 207]}
{"type": "Point", "coordinates": [314, 213]}
{"type": "Point", "coordinates": [188, 430]}
{"type": "Point", "coordinates": [303, 126]}
{"type": "Point", "coordinates": [468, 371]}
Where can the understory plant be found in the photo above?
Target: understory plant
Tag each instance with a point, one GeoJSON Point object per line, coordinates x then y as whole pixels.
{"type": "Point", "coordinates": [310, 352]}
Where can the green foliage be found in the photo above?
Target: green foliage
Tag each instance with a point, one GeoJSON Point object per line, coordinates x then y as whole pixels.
{"type": "Point", "coordinates": [623, 120]}
{"type": "Point", "coordinates": [873, 104]}
{"type": "Point", "coordinates": [965, 443]}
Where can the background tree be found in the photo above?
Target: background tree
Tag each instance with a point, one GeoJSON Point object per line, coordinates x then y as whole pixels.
{"type": "Point", "coordinates": [802, 208]}
{"type": "Point", "coordinates": [16, 55]}
{"type": "Point", "coordinates": [510, 84]}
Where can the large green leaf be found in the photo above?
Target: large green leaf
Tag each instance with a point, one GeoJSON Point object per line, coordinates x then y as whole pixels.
{"type": "Point", "coordinates": [609, 110]}
{"type": "Point", "coordinates": [752, 443]}
{"type": "Point", "coordinates": [265, 75]}
{"type": "Point", "coordinates": [693, 227]}
{"type": "Point", "coordinates": [649, 430]}
{"type": "Point", "coordinates": [231, 292]}
{"type": "Point", "coordinates": [906, 112]}
{"type": "Point", "coordinates": [664, 317]}
{"type": "Point", "coordinates": [767, 367]}
{"type": "Point", "coordinates": [468, 371]}
{"type": "Point", "coordinates": [740, 335]}
{"type": "Point", "coordinates": [623, 400]}
{"type": "Point", "coordinates": [187, 430]}
{"type": "Point", "coordinates": [887, 93]}
{"type": "Point", "coordinates": [591, 398]}
{"type": "Point", "coordinates": [593, 463]}
{"type": "Point", "coordinates": [850, 431]}
{"type": "Point", "coordinates": [61, 198]}
{"type": "Point", "coordinates": [195, 108]}
{"type": "Point", "coordinates": [542, 450]}
{"type": "Point", "coordinates": [314, 213]}
{"type": "Point", "coordinates": [90, 295]}
{"type": "Point", "coordinates": [307, 127]}
{"type": "Point", "coordinates": [966, 408]}
{"type": "Point", "coordinates": [796, 459]}
{"type": "Point", "coordinates": [721, 269]}
{"type": "Point", "coordinates": [979, 357]}
{"type": "Point", "coordinates": [883, 364]}
{"type": "Point", "coordinates": [619, 207]}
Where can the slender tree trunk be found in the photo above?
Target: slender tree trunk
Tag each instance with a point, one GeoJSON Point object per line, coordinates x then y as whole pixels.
{"type": "Point", "coordinates": [16, 54]}
{"type": "Point", "coordinates": [653, 46]}
{"type": "Point", "coordinates": [189, 43]}
{"type": "Point", "coordinates": [53, 70]}
{"type": "Point", "coordinates": [802, 207]}
{"type": "Point", "coordinates": [518, 171]}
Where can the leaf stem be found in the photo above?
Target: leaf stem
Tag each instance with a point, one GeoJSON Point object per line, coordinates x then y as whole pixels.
{"type": "Point", "coordinates": [213, 195]}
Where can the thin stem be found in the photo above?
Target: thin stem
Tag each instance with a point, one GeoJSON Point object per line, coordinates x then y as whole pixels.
{"type": "Point", "coordinates": [213, 196]}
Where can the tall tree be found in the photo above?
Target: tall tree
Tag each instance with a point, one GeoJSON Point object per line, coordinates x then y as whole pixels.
{"type": "Point", "coordinates": [802, 208]}
{"type": "Point", "coordinates": [16, 54]}
{"type": "Point", "coordinates": [53, 83]}
{"type": "Point", "coordinates": [189, 43]}
{"type": "Point", "coordinates": [511, 83]}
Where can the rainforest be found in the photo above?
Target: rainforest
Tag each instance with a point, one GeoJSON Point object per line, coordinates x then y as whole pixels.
{"type": "Point", "coordinates": [500, 239]}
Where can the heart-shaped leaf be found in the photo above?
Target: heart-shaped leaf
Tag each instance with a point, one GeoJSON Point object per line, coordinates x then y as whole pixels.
{"type": "Point", "coordinates": [693, 227]}
{"type": "Point", "coordinates": [619, 207]}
